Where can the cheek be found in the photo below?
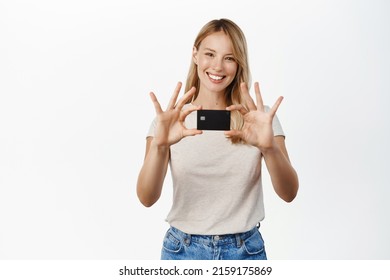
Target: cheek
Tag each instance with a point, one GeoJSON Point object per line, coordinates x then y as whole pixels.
{"type": "Point", "coordinates": [232, 69]}
{"type": "Point", "coordinates": [202, 63]}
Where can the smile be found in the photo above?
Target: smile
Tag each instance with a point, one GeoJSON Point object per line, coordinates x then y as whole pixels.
{"type": "Point", "coordinates": [215, 77]}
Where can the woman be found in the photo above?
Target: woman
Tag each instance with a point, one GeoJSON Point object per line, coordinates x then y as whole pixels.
{"type": "Point", "coordinates": [217, 191]}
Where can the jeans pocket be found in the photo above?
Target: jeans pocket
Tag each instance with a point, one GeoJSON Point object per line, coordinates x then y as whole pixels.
{"type": "Point", "coordinates": [254, 244]}
{"type": "Point", "coordinates": [172, 243]}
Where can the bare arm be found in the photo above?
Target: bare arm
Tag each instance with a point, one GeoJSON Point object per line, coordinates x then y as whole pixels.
{"type": "Point", "coordinates": [169, 130]}
{"type": "Point", "coordinates": [152, 174]}
{"type": "Point", "coordinates": [258, 131]}
{"type": "Point", "coordinates": [283, 176]}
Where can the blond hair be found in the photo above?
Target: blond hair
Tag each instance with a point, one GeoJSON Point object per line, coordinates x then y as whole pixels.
{"type": "Point", "coordinates": [240, 53]}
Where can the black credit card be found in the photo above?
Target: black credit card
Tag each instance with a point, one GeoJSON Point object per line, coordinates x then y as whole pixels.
{"type": "Point", "coordinates": [213, 120]}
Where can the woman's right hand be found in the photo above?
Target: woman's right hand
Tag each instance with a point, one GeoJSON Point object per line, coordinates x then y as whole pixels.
{"type": "Point", "coordinates": [170, 127]}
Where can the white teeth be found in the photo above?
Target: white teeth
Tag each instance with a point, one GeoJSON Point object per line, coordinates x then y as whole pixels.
{"type": "Point", "coordinates": [215, 77]}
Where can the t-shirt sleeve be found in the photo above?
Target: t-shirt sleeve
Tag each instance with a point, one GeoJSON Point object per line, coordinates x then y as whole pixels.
{"type": "Point", "coordinates": [276, 125]}
{"type": "Point", "coordinates": [152, 127]}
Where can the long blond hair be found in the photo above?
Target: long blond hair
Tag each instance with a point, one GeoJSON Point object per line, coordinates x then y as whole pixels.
{"type": "Point", "coordinates": [240, 53]}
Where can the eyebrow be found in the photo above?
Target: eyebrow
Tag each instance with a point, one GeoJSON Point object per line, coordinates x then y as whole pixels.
{"type": "Point", "coordinates": [211, 50]}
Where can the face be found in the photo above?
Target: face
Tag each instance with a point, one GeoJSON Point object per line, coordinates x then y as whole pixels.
{"type": "Point", "coordinates": [216, 64]}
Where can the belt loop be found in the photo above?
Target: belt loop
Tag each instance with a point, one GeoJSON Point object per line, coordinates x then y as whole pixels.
{"type": "Point", "coordinates": [238, 240]}
{"type": "Point", "coordinates": [187, 239]}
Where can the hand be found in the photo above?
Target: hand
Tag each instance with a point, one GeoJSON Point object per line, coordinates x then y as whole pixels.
{"type": "Point", "coordinates": [257, 129]}
{"type": "Point", "coordinates": [170, 123]}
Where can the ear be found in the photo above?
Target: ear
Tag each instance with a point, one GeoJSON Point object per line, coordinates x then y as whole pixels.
{"type": "Point", "coordinates": [195, 55]}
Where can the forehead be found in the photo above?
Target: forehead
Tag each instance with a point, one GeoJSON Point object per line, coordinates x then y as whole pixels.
{"type": "Point", "coordinates": [218, 41]}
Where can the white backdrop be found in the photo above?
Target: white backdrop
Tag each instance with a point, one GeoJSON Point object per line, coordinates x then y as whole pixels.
{"type": "Point", "coordinates": [74, 111]}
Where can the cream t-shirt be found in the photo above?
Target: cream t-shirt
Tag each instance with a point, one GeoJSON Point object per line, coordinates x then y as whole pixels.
{"type": "Point", "coordinates": [217, 186]}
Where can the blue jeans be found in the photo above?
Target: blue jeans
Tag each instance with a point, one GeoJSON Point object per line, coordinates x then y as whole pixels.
{"type": "Point", "coordinates": [178, 245]}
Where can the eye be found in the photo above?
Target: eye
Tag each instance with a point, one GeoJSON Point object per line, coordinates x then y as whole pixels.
{"type": "Point", "coordinates": [209, 54]}
{"type": "Point", "coordinates": [230, 58]}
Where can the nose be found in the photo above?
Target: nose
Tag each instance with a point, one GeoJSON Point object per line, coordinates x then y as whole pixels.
{"type": "Point", "coordinates": [217, 64]}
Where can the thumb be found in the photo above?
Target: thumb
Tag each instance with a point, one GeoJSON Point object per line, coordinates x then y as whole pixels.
{"type": "Point", "coordinates": [231, 133]}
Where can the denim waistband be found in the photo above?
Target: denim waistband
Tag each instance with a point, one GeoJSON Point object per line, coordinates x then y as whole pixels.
{"type": "Point", "coordinates": [222, 239]}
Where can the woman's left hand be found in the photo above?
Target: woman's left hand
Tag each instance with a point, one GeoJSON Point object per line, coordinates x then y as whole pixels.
{"type": "Point", "coordinates": [257, 129]}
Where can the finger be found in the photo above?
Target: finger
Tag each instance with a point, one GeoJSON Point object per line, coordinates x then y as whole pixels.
{"type": "Point", "coordinates": [191, 132]}
{"type": "Point", "coordinates": [156, 104]}
{"type": "Point", "coordinates": [274, 108]}
{"type": "Point", "coordinates": [188, 111]}
{"type": "Point", "coordinates": [182, 101]}
{"type": "Point", "coordinates": [247, 97]}
{"type": "Point", "coordinates": [238, 107]}
{"type": "Point", "coordinates": [175, 94]}
{"type": "Point", "coordinates": [259, 99]}
{"type": "Point", "coordinates": [231, 133]}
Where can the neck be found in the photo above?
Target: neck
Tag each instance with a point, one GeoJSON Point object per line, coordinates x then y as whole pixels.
{"type": "Point", "coordinates": [211, 101]}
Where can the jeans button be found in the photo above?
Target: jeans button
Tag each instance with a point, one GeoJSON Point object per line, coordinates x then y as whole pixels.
{"type": "Point", "coordinates": [216, 238]}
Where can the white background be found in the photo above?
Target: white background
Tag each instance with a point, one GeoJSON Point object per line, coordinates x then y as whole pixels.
{"type": "Point", "coordinates": [74, 111]}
